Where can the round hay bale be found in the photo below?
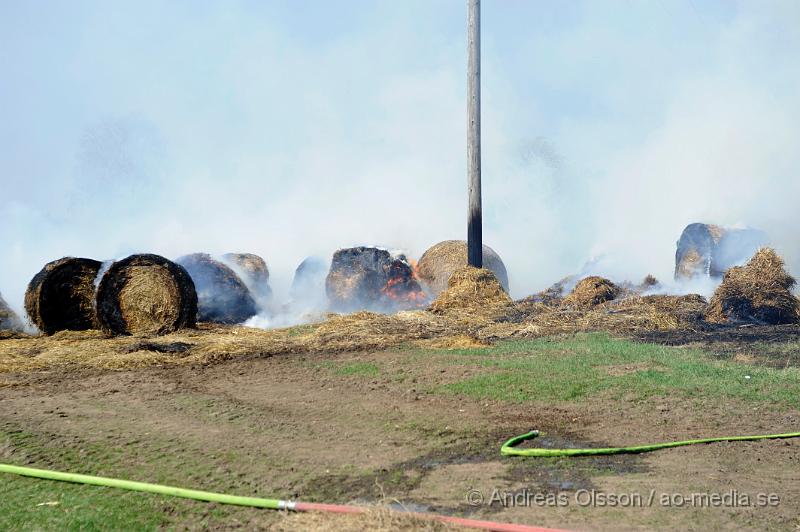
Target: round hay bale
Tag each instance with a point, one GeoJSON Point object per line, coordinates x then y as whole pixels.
{"type": "Point", "coordinates": [709, 250]}
{"type": "Point", "coordinates": [9, 321]}
{"type": "Point", "coordinates": [253, 270]}
{"type": "Point", "coordinates": [308, 284]}
{"type": "Point", "coordinates": [760, 291]}
{"type": "Point", "coordinates": [471, 289]}
{"type": "Point", "coordinates": [61, 296]}
{"type": "Point", "coordinates": [440, 261]}
{"type": "Point", "coordinates": [145, 294]}
{"type": "Point", "coordinates": [371, 278]}
{"type": "Point", "coordinates": [222, 297]}
{"type": "Point", "coordinates": [591, 291]}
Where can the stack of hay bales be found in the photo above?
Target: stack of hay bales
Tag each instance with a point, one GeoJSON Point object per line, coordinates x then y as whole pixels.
{"type": "Point", "coordinates": [222, 297]}
{"type": "Point", "coordinates": [760, 291]}
{"type": "Point", "coordinates": [472, 290]}
{"type": "Point", "coordinates": [9, 321]}
{"type": "Point", "coordinates": [145, 294]}
{"type": "Point", "coordinates": [439, 262]}
{"type": "Point", "coordinates": [61, 296]}
{"type": "Point", "coordinates": [709, 250]}
{"type": "Point", "coordinates": [590, 292]}
{"type": "Point", "coordinates": [253, 271]}
{"type": "Point", "coordinates": [370, 278]}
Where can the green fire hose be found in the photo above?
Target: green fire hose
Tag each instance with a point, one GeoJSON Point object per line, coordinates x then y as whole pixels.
{"type": "Point", "coordinates": [508, 448]}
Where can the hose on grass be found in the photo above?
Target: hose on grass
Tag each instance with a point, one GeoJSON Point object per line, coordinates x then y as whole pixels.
{"type": "Point", "coordinates": [509, 447]}
{"type": "Point", "coordinates": [272, 504]}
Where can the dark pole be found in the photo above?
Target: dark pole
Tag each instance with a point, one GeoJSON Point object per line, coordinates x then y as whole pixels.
{"type": "Point", "coordinates": [475, 218]}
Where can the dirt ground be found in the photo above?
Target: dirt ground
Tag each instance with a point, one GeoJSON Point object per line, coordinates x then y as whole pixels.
{"type": "Point", "coordinates": [300, 427]}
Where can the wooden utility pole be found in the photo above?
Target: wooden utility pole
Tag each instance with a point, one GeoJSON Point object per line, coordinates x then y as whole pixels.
{"type": "Point", "coordinates": [475, 217]}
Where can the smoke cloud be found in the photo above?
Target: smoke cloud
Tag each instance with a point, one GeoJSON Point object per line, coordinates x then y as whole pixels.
{"type": "Point", "coordinates": [264, 127]}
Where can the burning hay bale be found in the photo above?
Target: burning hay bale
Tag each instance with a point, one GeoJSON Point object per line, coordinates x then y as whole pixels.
{"type": "Point", "coordinates": [222, 297]}
{"type": "Point", "coordinates": [591, 291]}
{"type": "Point", "coordinates": [471, 289]}
{"type": "Point", "coordinates": [709, 250]}
{"type": "Point", "coordinates": [371, 278]}
{"type": "Point", "coordinates": [9, 321]}
{"type": "Point", "coordinates": [440, 261]}
{"type": "Point", "coordinates": [253, 270]}
{"type": "Point", "coordinates": [760, 291]}
{"type": "Point", "coordinates": [61, 296]}
{"type": "Point", "coordinates": [146, 294]}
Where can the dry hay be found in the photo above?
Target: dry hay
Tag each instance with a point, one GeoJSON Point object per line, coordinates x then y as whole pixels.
{"type": "Point", "coordinates": [145, 294]}
{"type": "Point", "coordinates": [760, 291]}
{"type": "Point", "coordinates": [371, 278]}
{"type": "Point", "coordinates": [253, 270]}
{"type": "Point", "coordinates": [222, 297]}
{"type": "Point", "coordinates": [591, 291]}
{"type": "Point", "coordinates": [472, 291]}
{"type": "Point", "coordinates": [439, 262]}
{"type": "Point", "coordinates": [9, 321]}
{"type": "Point", "coordinates": [61, 296]}
{"type": "Point", "coordinates": [457, 341]}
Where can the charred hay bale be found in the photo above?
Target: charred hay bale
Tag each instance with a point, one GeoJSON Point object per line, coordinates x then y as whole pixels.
{"type": "Point", "coordinates": [222, 297]}
{"type": "Point", "coordinates": [471, 289]}
{"type": "Point", "coordinates": [371, 278]}
{"type": "Point", "coordinates": [9, 321]}
{"type": "Point", "coordinates": [145, 294]}
{"type": "Point", "coordinates": [61, 296]}
{"type": "Point", "coordinates": [591, 291]}
{"type": "Point", "coordinates": [253, 270]}
{"type": "Point", "coordinates": [439, 262]}
{"type": "Point", "coordinates": [760, 291]}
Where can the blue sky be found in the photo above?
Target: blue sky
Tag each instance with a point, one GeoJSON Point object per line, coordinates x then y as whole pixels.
{"type": "Point", "coordinates": [297, 127]}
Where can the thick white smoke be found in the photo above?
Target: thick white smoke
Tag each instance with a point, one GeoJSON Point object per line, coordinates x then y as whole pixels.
{"type": "Point", "coordinates": [607, 127]}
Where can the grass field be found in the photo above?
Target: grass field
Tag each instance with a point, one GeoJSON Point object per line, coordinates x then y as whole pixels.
{"type": "Point", "coordinates": [416, 425]}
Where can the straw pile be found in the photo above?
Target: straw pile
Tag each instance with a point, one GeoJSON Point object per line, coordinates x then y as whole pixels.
{"type": "Point", "coordinates": [253, 270]}
{"type": "Point", "coordinates": [440, 261]}
{"type": "Point", "coordinates": [760, 291]}
{"type": "Point", "coordinates": [61, 296]}
{"type": "Point", "coordinates": [471, 290]}
{"type": "Point", "coordinates": [222, 297]}
{"type": "Point", "coordinates": [9, 321]}
{"type": "Point", "coordinates": [591, 291]}
{"type": "Point", "coordinates": [146, 294]}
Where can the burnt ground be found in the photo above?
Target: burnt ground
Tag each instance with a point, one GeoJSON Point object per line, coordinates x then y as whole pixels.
{"type": "Point", "coordinates": [375, 428]}
{"type": "Point", "coordinates": [770, 345]}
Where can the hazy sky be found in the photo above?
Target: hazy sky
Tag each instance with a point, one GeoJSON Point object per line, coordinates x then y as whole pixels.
{"type": "Point", "coordinates": [297, 127]}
